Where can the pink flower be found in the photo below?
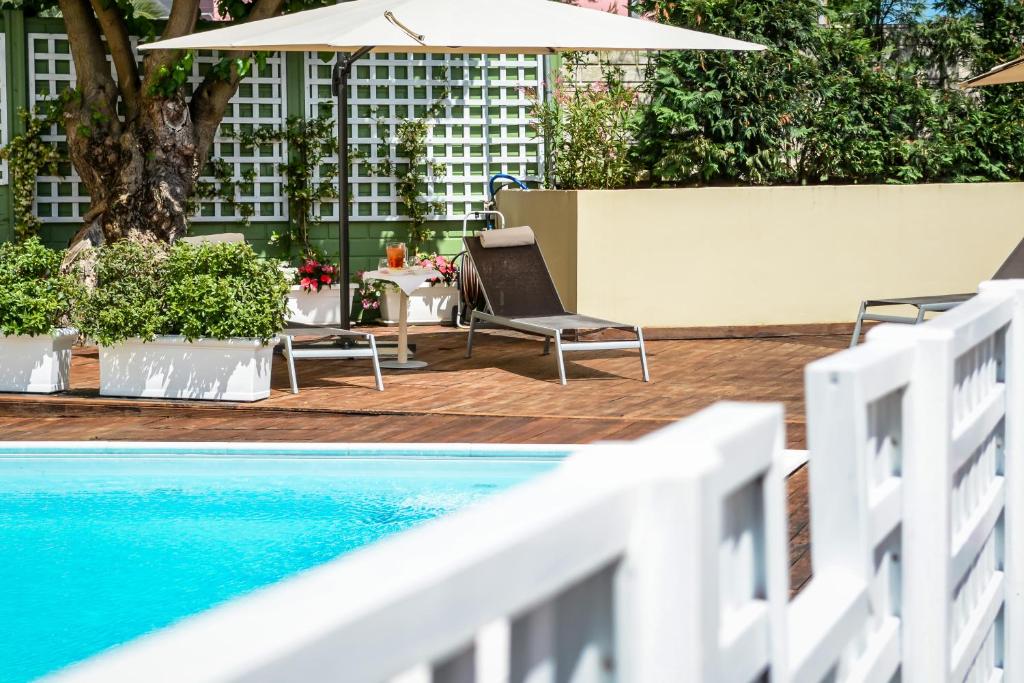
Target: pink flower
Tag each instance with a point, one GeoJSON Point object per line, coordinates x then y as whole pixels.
{"type": "Point", "coordinates": [326, 279]}
{"type": "Point", "coordinates": [306, 282]}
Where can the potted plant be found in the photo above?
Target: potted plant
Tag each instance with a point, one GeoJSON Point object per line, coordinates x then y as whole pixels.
{"type": "Point", "coordinates": [189, 321]}
{"type": "Point", "coordinates": [313, 297]}
{"type": "Point", "coordinates": [36, 301]}
{"type": "Point", "coordinates": [431, 304]}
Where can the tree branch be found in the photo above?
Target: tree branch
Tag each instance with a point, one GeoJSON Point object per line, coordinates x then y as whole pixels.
{"type": "Point", "coordinates": [182, 19]}
{"type": "Point", "coordinates": [90, 120]}
{"type": "Point", "coordinates": [120, 45]}
{"type": "Point", "coordinates": [86, 46]}
{"type": "Point", "coordinates": [180, 22]}
{"type": "Point", "coordinates": [211, 98]}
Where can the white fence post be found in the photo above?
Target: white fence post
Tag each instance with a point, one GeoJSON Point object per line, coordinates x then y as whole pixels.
{"type": "Point", "coordinates": [701, 593]}
{"type": "Point", "coordinates": [953, 493]}
{"type": "Point", "coordinates": [1013, 452]}
{"type": "Point", "coordinates": [845, 621]}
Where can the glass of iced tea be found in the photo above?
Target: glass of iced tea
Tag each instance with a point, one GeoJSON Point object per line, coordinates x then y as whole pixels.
{"type": "Point", "coordinates": [396, 254]}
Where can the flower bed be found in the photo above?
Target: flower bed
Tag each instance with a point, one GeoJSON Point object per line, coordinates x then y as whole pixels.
{"type": "Point", "coordinates": [314, 298]}
{"type": "Point", "coordinates": [429, 305]}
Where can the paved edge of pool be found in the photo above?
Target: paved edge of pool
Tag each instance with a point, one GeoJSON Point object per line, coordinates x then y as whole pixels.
{"type": "Point", "coordinates": [66, 449]}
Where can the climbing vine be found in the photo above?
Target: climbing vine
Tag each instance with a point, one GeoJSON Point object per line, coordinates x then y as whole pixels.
{"type": "Point", "coordinates": [28, 156]}
{"type": "Point", "coordinates": [308, 176]}
{"type": "Point", "coordinates": [311, 178]}
{"type": "Point", "coordinates": [224, 185]}
{"type": "Point", "coordinates": [411, 166]}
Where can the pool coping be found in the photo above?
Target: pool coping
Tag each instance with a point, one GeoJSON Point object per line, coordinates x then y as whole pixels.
{"type": "Point", "coordinates": [793, 459]}
{"type": "Point", "coordinates": [195, 449]}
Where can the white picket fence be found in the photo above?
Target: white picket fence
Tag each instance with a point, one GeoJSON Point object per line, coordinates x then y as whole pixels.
{"type": "Point", "coordinates": [666, 559]}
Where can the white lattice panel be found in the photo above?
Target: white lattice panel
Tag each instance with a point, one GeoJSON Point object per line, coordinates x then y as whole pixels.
{"type": "Point", "coordinates": [485, 128]}
{"type": "Point", "coordinates": [259, 101]}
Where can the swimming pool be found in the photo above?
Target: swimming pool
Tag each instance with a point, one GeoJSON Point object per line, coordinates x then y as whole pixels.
{"type": "Point", "coordinates": [101, 546]}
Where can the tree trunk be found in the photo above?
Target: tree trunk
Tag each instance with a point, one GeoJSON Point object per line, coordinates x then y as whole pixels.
{"type": "Point", "coordinates": [139, 173]}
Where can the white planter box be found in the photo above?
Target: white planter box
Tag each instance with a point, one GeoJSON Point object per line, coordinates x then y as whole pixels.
{"type": "Point", "coordinates": [318, 308]}
{"type": "Point", "coordinates": [427, 305]}
{"type": "Point", "coordinates": [172, 367]}
{"type": "Point", "coordinates": [36, 365]}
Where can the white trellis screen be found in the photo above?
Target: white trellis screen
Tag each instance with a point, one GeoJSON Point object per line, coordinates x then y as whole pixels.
{"type": "Point", "coordinates": [665, 559]}
{"type": "Point", "coordinates": [260, 100]}
{"type": "Point", "coordinates": [485, 128]}
{"type": "Point", "coordinates": [847, 621]}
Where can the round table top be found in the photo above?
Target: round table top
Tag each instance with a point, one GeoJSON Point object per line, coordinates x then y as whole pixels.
{"type": "Point", "coordinates": [407, 279]}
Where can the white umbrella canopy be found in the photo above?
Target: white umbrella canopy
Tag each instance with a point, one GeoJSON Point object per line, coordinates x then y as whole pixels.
{"type": "Point", "coordinates": [1010, 72]}
{"type": "Point", "coordinates": [476, 26]}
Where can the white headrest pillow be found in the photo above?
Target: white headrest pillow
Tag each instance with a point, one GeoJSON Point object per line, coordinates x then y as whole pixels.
{"type": "Point", "coordinates": [220, 238]}
{"type": "Point", "coordinates": [506, 237]}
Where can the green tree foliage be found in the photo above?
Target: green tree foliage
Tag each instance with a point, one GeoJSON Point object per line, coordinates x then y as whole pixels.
{"type": "Point", "coordinates": [849, 91]}
{"type": "Point", "coordinates": [35, 298]}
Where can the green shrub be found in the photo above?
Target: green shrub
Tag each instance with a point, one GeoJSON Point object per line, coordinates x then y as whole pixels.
{"type": "Point", "coordinates": [223, 291]}
{"type": "Point", "coordinates": [213, 291]}
{"type": "Point", "coordinates": [589, 131]}
{"type": "Point", "coordinates": [127, 300]}
{"type": "Point", "coordinates": [34, 297]}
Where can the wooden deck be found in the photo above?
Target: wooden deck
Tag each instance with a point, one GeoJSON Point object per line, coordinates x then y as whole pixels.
{"type": "Point", "coordinates": [507, 393]}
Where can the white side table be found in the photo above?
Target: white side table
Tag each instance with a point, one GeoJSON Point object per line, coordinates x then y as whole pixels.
{"type": "Point", "coordinates": [408, 281]}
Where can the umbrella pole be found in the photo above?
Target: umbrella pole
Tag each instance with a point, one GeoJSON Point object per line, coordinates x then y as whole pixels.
{"type": "Point", "coordinates": [339, 82]}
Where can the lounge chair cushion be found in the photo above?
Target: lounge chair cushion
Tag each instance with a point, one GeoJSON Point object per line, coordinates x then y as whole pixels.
{"type": "Point", "coordinates": [507, 237]}
{"type": "Point", "coordinates": [219, 238]}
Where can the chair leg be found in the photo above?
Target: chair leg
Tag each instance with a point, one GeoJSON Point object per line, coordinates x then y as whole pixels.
{"type": "Point", "coordinates": [547, 346]}
{"type": "Point", "coordinates": [469, 337]}
{"type": "Point", "coordinates": [920, 315]}
{"type": "Point", "coordinates": [857, 325]}
{"type": "Point", "coordinates": [643, 354]}
{"type": "Point", "coordinates": [559, 357]}
{"type": "Point", "coordinates": [292, 379]}
{"type": "Point", "coordinates": [376, 364]}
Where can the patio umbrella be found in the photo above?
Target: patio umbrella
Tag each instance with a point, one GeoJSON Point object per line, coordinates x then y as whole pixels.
{"type": "Point", "coordinates": [358, 27]}
{"type": "Point", "coordinates": [1010, 72]}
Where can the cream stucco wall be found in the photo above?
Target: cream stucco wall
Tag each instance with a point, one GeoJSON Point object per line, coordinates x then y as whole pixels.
{"type": "Point", "coordinates": [766, 256]}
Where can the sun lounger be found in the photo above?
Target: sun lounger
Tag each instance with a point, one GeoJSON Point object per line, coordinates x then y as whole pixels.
{"type": "Point", "coordinates": [520, 295]}
{"type": "Point", "coordinates": [1012, 269]}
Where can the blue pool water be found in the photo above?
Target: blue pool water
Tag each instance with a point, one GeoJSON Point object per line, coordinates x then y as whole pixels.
{"type": "Point", "coordinates": [96, 551]}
